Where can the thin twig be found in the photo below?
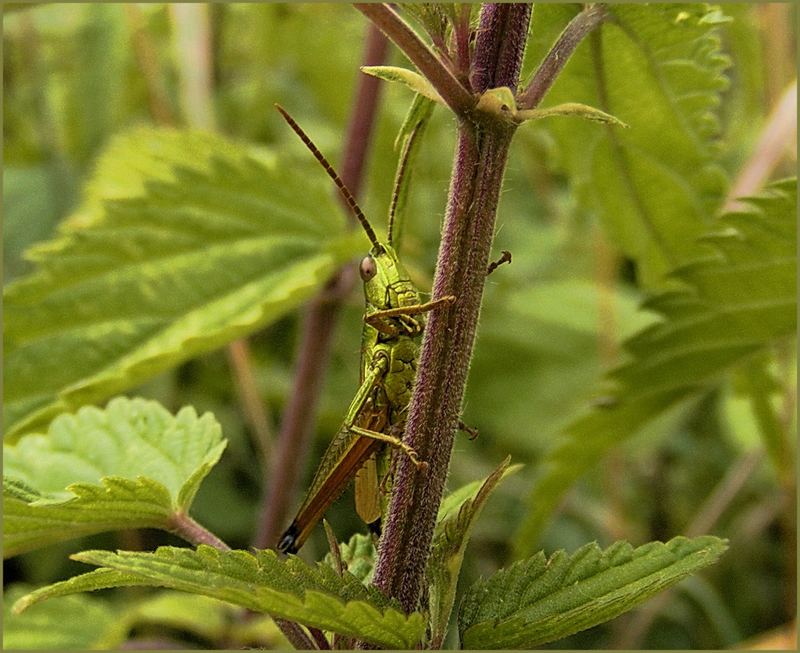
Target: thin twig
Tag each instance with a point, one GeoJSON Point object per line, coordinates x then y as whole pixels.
{"type": "Point", "coordinates": [726, 490]}
{"type": "Point", "coordinates": [559, 54]}
{"type": "Point", "coordinates": [319, 321]}
{"type": "Point", "coordinates": [457, 97]}
{"type": "Point", "coordinates": [336, 552]}
{"type": "Point", "coordinates": [254, 408]}
{"type": "Point", "coordinates": [296, 634]}
{"type": "Point", "coordinates": [193, 46]}
{"type": "Point", "coordinates": [147, 59]}
{"type": "Point", "coordinates": [776, 138]}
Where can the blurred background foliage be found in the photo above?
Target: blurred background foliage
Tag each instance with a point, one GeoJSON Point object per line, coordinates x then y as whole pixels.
{"type": "Point", "coordinates": [77, 74]}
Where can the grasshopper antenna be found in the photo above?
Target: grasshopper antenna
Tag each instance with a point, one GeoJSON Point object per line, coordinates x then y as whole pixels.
{"type": "Point", "coordinates": [344, 190]}
{"type": "Point", "coordinates": [398, 178]}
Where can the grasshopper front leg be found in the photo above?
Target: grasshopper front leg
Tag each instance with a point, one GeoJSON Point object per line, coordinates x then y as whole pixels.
{"type": "Point", "coordinates": [380, 320]}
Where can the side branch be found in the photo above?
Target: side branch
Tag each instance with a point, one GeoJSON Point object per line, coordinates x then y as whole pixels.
{"type": "Point", "coordinates": [555, 60]}
{"type": "Point", "coordinates": [453, 92]}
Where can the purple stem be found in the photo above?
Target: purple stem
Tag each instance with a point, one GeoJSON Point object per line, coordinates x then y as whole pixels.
{"type": "Point", "coordinates": [187, 528]}
{"type": "Point", "coordinates": [555, 60]}
{"type": "Point", "coordinates": [481, 154]}
{"type": "Point", "coordinates": [457, 97]}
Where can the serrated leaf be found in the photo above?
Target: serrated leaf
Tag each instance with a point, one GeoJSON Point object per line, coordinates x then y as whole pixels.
{"type": "Point", "coordinates": [733, 305]}
{"type": "Point", "coordinates": [656, 185]}
{"type": "Point", "coordinates": [131, 465]}
{"type": "Point", "coordinates": [411, 79]}
{"type": "Point", "coordinates": [449, 544]}
{"type": "Point", "coordinates": [288, 589]}
{"type": "Point", "coordinates": [539, 600]}
{"type": "Point", "coordinates": [74, 623]}
{"type": "Point", "coordinates": [186, 242]}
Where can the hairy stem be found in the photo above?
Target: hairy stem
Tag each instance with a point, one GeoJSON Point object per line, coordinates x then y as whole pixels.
{"type": "Point", "coordinates": [559, 54]}
{"type": "Point", "coordinates": [458, 98]}
{"type": "Point", "coordinates": [480, 160]}
{"type": "Point", "coordinates": [319, 322]}
{"type": "Point", "coordinates": [187, 528]}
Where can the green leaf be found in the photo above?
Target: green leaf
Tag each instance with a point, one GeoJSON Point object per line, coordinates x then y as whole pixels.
{"type": "Point", "coordinates": [539, 356]}
{"type": "Point", "coordinates": [570, 109]}
{"type": "Point", "coordinates": [358, 555]}
{"type": "Point", "coordinates": [131, 465]}
{"type": "Point", "coordinates": [411, 79]}
{"type": "Point", "coordinates": [408, 141]}
{"type": "Point", "coordinates": [539, 600]}
{"type": "Point", "coordinates": [659, 69]}
{"type": "Point", "coordinates": [449, 544]}
{"type": "Point", "coordinates": [200, 615]}
{"type": "Point", "coordinates": [74, 622]}
{"type": "Point", "coordinates": [732, 305]}
{"type": "Point", "coordinates": [288, 589]}
{"type": "Point", "coordinates": [186, 242]}
{"type": "Point", "coordinates": [99, 579]}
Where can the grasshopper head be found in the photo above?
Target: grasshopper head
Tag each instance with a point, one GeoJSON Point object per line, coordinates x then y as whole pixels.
{"type": "Point", "coordinates": [386, 282]}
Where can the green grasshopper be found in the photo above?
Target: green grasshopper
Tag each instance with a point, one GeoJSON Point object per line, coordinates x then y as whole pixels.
{"type": "Point", "coordinates": [390, 341]}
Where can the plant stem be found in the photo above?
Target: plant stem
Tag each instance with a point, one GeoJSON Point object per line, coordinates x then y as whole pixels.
{"type": "Point", "coordinates": [773, 146]}
{"type": "Point", "coordinates": [187, 528]}
{"type": "Point", "coordinates": [147, 60]}
{"type": "Point", "coordinates": [435, 408]}
{"type": "Point", "coordinates": [192, 29]}
{"type": "Point", "coordinates": [319, 321]}
{"type": "Point", "coordinates": [296, 635]}
{"type": "Point", "coordinates": [250, 399]}
{"type": "Point", "coordinates": [559, 54]}
{"type": "Point", "coordinates": [458, 98]}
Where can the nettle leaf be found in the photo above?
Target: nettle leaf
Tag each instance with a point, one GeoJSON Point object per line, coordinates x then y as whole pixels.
{"type": "Point", "coordinates": [99, 579]}
{"type": "Point", "coordinates": [539, 600]}
{"type": "Point", "coordinates": [74, 622]}
{"type": "Point", "coordinates": [732, 306]}
{"type": "Point", "coordinates": [411, 79]}
{"type": "Point", "coordinates": [658, 69]}
{"type": "Point", "coordinates": [186, 242]}
{"type": "Point", "coordinates": [452, 535]}
{"type": "Point", "coordinates": [288, 589]}
{"type": "Point", "coordinates": [131, 465]}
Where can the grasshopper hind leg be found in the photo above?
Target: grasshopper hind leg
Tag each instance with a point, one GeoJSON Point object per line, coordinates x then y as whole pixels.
{"type": "Point", "coordinates": [288, 542]}
{"type": "Point", "coordinates": [421, 465]}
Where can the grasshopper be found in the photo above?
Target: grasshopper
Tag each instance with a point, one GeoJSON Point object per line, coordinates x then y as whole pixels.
{"type": "Point", "coordinates": [394, 320]}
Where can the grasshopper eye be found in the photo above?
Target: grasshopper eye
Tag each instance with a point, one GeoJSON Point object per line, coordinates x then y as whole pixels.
{"type": "Point", "coordinates": [367, 269]}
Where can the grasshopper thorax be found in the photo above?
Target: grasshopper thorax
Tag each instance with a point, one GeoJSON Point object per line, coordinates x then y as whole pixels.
{"type": "Point", "coordinates": [386, 282]}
